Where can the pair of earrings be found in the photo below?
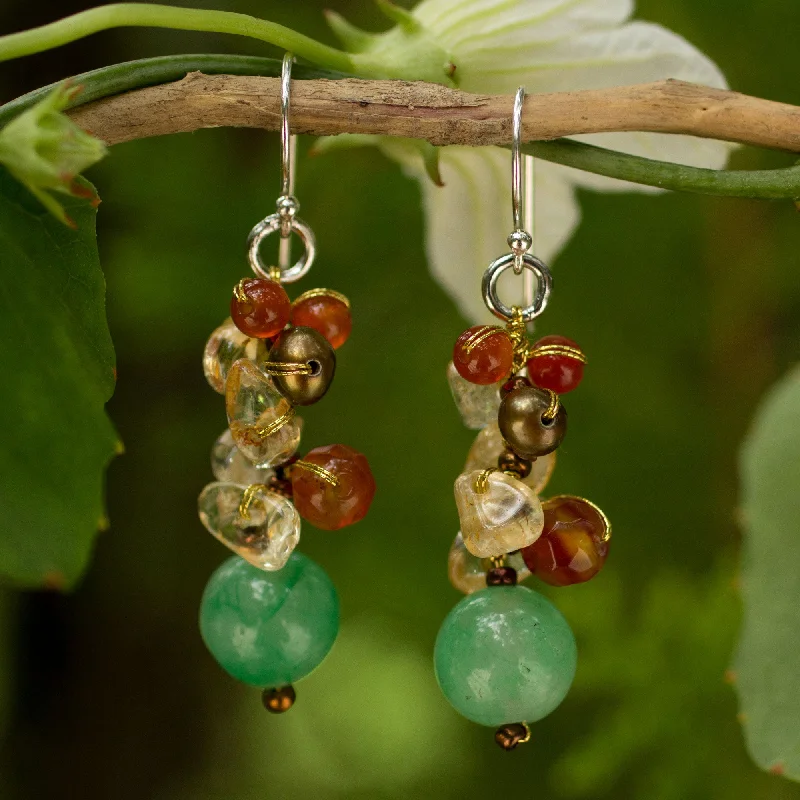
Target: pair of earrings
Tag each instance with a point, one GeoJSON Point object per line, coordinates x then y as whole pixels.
{"type": "Point", "coordinates": [504, 656]}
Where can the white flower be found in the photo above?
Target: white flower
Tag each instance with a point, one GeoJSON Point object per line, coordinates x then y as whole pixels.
{"type": "Point", "coordinates": [545, 46]}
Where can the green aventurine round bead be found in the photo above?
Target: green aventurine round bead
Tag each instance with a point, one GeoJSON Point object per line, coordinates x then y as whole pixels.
{"type": "Point", "coordinates": [505, 654]}
{"type": "Point", "coordinates": [269, 628]}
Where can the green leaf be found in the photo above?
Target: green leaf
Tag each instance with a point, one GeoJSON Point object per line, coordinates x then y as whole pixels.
{"type": "Point", "coordinates": [58, 372]}
{"type": "Point", "coordinates": [767, 665]}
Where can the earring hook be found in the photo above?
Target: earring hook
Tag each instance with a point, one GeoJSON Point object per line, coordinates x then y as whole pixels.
{"type": "Point", "coordinates": [287, 140]}
{"type": "Point", "coordinates": [538, 281]}
{"type": "Point", "coordinates": [517, 166]}
{"type": "Point", "coordinates": [520, 240]}
{"type": "Point", "coordinates": [285, 219]}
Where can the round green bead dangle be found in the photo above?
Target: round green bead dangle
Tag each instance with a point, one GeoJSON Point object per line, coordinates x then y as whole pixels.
{"type": "Point", "coordinates": [505, 653]}
{"type": "Point", "coordinates": [269, 629]}
{"type": "Point", "coordinates": [505, 656]}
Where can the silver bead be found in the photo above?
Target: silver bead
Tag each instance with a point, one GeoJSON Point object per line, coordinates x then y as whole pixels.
{"type": "Point", "coordinates": [519, 242]}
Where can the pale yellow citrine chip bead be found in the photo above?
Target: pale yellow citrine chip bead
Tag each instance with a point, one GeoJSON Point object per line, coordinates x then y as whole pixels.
{"type": "Point", "coordinates": [265, 535]}
{"type": "Point", "coordinates": [228, 465]}
{"type": "Point", "coordinates": [226, 345]}
{"type": "Point", "coordinates": [498, 513]}
{"type": "Point", "coordinates": [488, 446]}
{"type": "Point", "coordinates": [477, 404]}
{"type": "Point", "coordinates": [261, 420]}
{"type": "Point", "coordinates": [467, 572]}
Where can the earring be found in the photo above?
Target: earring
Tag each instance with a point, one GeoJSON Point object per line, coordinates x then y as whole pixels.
{"type": "Point", "coordinates": [505, 656]}
{"type": "Point", "coordinates": [270, 615]}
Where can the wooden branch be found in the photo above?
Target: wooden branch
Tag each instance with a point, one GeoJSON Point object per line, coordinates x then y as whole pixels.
{"type": "Point", "coordinates": [436, 113]}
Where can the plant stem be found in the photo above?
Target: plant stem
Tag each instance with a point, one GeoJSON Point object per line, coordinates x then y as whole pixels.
{"type": "Point", "coordinates": [119, 15]}
{"type": "Point", "coordinates": [766, 184]}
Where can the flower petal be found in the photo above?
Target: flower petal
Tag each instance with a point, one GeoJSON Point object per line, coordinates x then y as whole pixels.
{"type": "Point", "coordinates": [634, 53]}
{"type": "Point", "coordinates": [501, 25]}
{"type": "Point", "coordinates": [637, 52]}
{"type": "Point", "coordinates": [468, 220]}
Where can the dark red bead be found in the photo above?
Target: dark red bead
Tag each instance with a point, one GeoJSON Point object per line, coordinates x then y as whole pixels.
{"type": "Point", "coordinates": [574, 543]}
{"type": "Point", "coordinates": [559, 371]}
{"type": "Point", "coordinates": [328, 506]}
{"type": "Point", "coordinates": [325, 313]}
{"type": "Point", "coordinates": [483, 354]}
{"type": "Point", "coordinates": [260, 308]}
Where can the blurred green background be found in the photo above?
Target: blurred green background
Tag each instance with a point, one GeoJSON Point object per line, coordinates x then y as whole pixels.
{"type": "Point", "coordinates": [689, 307]}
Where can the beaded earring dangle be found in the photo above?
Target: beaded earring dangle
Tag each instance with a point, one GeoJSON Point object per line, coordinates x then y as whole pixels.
{"type": "Point", "coordinates": [505, 656]}
{"type": "Point", "coordinates": [270, 615]}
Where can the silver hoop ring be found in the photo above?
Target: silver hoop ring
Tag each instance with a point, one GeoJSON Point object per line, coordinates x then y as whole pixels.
{"type": "Point", "coordinates": [544, 285]}
{"type": "Point", "coordinates": [272, 224]}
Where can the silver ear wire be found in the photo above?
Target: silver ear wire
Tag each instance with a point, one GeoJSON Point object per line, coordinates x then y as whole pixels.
{"type": "Point", "coordinates": [285, 218]}
{"type": "Point", "coordinates": [537, 292]}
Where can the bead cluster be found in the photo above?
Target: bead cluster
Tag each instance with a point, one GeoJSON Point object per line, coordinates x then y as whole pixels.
{"type": "Point", "coordinates": [271, 357]}
{"type": "Point", "coordinates": [511, 390]}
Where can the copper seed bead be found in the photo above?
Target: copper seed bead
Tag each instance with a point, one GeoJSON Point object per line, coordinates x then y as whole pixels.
{"type": "Point", "coordinates": [483, 354]}
{"type": "Point", "coordinates": [509, 461]}
{"type": "Point", "coordinates": [501, 576]}
{"type": "Point", "coordinates": [281, 486]}
{"type": "Point", "coordinates": [509, 736]}
{"type": "Point", "coordinates": [278, 701]}
{"type": "Point", "coordinates": [523, 425]}
{"type": "Point", "coordinates": [260, 307]}
{"type": "Point", "coordinates": [514, 382]}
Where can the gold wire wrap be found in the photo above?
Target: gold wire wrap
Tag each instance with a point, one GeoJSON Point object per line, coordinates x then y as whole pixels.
{"type": "Point", "coordinates": [527, 736]}
{"type": "Point", "coordinates": [320, 472]}
{"type": "Point", "coordinates": [559, 350]}
{"type": "Point", "coordinates": [286, 368]}
{"type": "Point", "coordinates": [518, 333]}
{"type": "Point", "coordinates": [321, 293]}
{"type": "Point", "coordinates": [238, 291]}
{"type": "Point", "coordinates": [276, 424]}
{"type": "Point", "coordinates": [552, 409]}
{"type": "Point", "coordinates": [606, 521]}
{"type": "Point", "coordinates": [247, 498]}
{"type": "Point", "coordinates": [481, 335]}
{"type": "Point", "coordinates": [274, 274]}
{"type": "Point", "coordinates": [497, 561]}
{"type": "Point", "coordinates": [482, 481]}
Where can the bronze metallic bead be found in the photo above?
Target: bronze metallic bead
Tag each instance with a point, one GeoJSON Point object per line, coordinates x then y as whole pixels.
{"type": "Point", "coordinates": [277, 701]}
{"type": "Point", "coordinates": [523, 424]}
{"type": "Point", "coordinates": [303, 346]}
{"type": "Point", "coordinates": [501, 576]}
{"type": "Point", "coordinates": [509, 461]}
{"type": "Point", "coordinates": [509, 736]}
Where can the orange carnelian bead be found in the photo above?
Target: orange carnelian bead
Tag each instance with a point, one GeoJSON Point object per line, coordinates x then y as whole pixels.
{"type": "Point", "coordinates": [320, 502]}
{"type": "Point", "coordinates": [558, 365]}
{"type": "Point", "coordinates": [574, 542]}
{"type": "Point", "coordinates": [260, 307]}
{"type": "Point", "coordinates": [483, 354]}
{"type": "Point", "coordinates": [325, 313]}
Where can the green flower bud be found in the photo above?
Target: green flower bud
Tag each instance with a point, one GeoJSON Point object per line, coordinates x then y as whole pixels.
{"type": "Point", "coordinates": [46, 151]}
